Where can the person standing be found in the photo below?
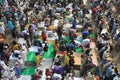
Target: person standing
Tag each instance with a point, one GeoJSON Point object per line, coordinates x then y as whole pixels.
{"type": "Point", "coordinates": [37, 59]}
{"type": "Point", "coordinates": [1, 49]}
{"type": "Point", "coordinates": [15, 33]}
{"type": "Point", "coordinates": [44, 37]}
{"type": "Point", "coordinates": [10, 25]}
{"type": "Point", "coordinates": [17, 70]}
{"type": "Point", "coordinates": [30, 30]}
{"type": "Point", "coordinates": [59, 31]}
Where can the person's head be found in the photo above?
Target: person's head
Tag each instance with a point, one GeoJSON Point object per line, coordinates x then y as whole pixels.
{"type": "Point", "coordinates": [37, 70]}
{"type": "Point", "coordinates": [40, 72]}
{"type": "Point", "coordinates": [114, 75]}
{"type": "Point", "coordinates": [23, 44]}
{"type": "Point", "coordinates": [71, 56]}
{"type": "Point", "coordinates": [107, 51]}
{"type": "Point", "coordinates": [47, 69]}
{"type": "Point", "coordinates": [19, 57]}
{"type": "Point", "coordinates": [72, 41]}
{"type": "Point", "coordinates": [57, 63]}
{"type": "Point", "coordinates": [36, 29]}
{"type": "Point", "coordinates": [14, 42]}
{"type": "Point", "coordinates": [11, 69]}
{"type": "Point", "coordinates": [45, 42]}
{"type": "Point", "coordinates": [37, 12]}
{"type": "Point", "coordinates": [30, 26]}
{"type": "Point", "coordinates": [36, 54]}
{"type": "Point", "coordinates": [56, 41]}
{"type": "Point", "coordinates": [58, 56]}
{"type": "Point", "coordinates": [106, 48]}
{"type": "Point", "coordinates": [5, 47]}
{"type": "Point", "coordinates": [48, 78]}
{"type": "Point", "coordinates": [16, 64]}
{"type": "Point", "coordinates": [39, 48]}
{"type": "Point", "coordinates": [43, 31]}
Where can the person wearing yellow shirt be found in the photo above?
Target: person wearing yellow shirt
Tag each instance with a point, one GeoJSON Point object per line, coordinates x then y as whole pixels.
{"type": "Point", "coordinates": [16, 46]}
{"type": "Point", "coordinates": [66, 59]}
{"type": "Point", "coordinates": [37, 59]}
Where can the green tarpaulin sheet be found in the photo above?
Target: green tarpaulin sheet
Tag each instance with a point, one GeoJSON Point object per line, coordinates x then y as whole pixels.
{"type": "Point", "coordinates": [28, 71]}
{"type": "Point", "coordinates": [50, 52]}
{"type": "Point", "coordinates": [31, 56]}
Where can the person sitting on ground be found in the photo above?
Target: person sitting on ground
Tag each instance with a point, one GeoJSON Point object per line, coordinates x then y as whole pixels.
{"type": "Point", "coordinates": [17, 70]}
{"type": "Point", "coordinates": [101, 42]}
{"type": "Point", "coordinates": [16, 46]}
{"type": "Point", "coordinates": [23, 33]}
{"type": "Point", "coordinates": [71, 61]}
{"type": "Point", "coordinates": [105, 56]}
{"type": "Point", "coordinates": [86, 42]}
{"type": "Point", "coordinates": [48, 73]}
{"type": "Point", "coordinates": [108, 73]}
{"type": "Point", "coordinates": [44, 37]}
{"type": "Point", "coordinates": [21, 62]}
{"type": "Point", "coordinates": [58, 68]}
{"type": "Point", "coordinates": [62, 47]}
{"type": "Point", "coordinates": [37, 59]}
{"type": "Point", "coordinates": [90, 76]}
{"type": "Point", "coordinates": [6, 52]}
{"type": "Point", "coordinates": [56, 76]}
{"type": "Point", "coordinates": [12, 74]}
{"type": "Point", "coordinates": [37, 75]}
{"type": "Point", "coordinates": [40, 51]}
{"type": "Point", "coordinates": [85, 33]}
{"type": "Point", "coordinates": [70, 46]}
{"type": "Point", "coordinates": [57, 59]}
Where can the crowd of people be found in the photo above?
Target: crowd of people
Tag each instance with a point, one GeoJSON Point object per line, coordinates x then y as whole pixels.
{"type": "Point", "coordinates": [71, 25]}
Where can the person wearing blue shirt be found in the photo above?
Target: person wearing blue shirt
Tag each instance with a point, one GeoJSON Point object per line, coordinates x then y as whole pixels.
{"type": "Point", "coordinates": [70, 46]}
{"type": "Point", "coordinates": [74, 23]}
{"type": "Point", "coordinates": [17, 70]}
{"type": "Point", "coordinates": [108, 73]}
{"type": "Point", "coordinates": [85, 33]}
{"type": "Point", "coordinates": [10, 25]}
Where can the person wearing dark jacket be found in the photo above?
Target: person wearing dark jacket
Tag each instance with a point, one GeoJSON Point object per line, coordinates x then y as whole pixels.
{"type": "Point", "coordinates": [59, 31]}
{"type": "Point", "coordinates": [1, 49]}
{"type": "Point", "coordinates": [46, 47]}
{"type": "Point", "coordinates": [15, 33]}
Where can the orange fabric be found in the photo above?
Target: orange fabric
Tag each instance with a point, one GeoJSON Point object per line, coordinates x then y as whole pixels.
{"type": "Point", "coordinates": [97, 77]}
{"type": "Point", "coordinates": [52, 28]}
{"type": "Point", "coordinates": [56, 47]}
{"type": "Point", "coordinates": [16, 47]}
